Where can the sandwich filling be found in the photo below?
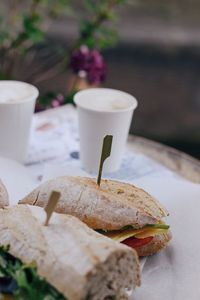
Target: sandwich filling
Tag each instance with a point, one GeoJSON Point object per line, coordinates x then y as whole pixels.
{"type": "Point", "coordinates": [21, 282]}
{"type": "Point", "coordinates": [136, 238]}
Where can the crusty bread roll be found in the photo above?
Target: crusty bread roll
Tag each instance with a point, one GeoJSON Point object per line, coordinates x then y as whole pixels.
{"type": "Point", "coordinates": [80, 263]}
{"type": "Point", "coordinates": [111, 206]}
{"type": "Point", "coordinates": [3, 195]}
{"type": "Point", "coordinates": [158, 243]}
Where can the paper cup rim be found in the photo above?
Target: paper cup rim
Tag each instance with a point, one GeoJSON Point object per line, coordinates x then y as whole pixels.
{"type": "Point", "coordinates": [129, 108]}
{"type": "Point", "coordinates": [34, 92]}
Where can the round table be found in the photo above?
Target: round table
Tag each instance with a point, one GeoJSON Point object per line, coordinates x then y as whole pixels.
{"type": "Point", "coordinates": [173, 159]}
{"type": "Point", "coordinates": [179, 162]}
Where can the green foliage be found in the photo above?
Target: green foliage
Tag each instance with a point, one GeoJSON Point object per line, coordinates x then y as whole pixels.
{"type": "Point", "coordinates": [93, 32]}
{"type": "Point", "coordinates": [45, 101]}
{"type": "Point", "coordinates": [30, 22]}
{"type": "Point", "coordinates": [28, 284]}
{"type": "Point", "coordinates": [25, 22]}
{"type": "Point", "coordinates": [31, 26]}
{"type": "Point", "coordinates": [31, 31]}
{"type": "Point", "coordinates": [24, 25]}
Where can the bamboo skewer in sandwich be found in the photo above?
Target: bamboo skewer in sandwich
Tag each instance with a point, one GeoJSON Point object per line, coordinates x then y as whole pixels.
{"type": "Point", "coordinates": [64, 260]}
{"type": "Point", "coordinates": [118, 210]}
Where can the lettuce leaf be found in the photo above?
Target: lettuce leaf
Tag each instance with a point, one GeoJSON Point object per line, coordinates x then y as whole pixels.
{"type": "Point", "coordinates": [157, 225]}
{"type": "Point", "coordinates": [131, 227]}
{"type": "Point", "coordinates": [23, 281]}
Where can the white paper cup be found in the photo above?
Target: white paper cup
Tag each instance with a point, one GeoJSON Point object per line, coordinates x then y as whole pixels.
{"type": "Point", "coordinates": [17, 102]}
{"type": "Point", "coordinates": [101, 112]}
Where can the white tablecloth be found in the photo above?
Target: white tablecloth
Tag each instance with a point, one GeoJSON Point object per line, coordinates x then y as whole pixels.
{"type": "Point", "coordinates": [174, 273]}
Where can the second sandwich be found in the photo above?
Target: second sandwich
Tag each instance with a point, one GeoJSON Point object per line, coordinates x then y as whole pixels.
{"type": "Point", "coordinates": [118, 210]}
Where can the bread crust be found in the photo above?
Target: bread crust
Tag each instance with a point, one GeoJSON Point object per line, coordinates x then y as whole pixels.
{"type": "Point", "coordinates": [76, 260]}
{"type": "Point", "coordinates": [158, 243]}
{"type": "Point", "coordinates": [111, 206]}
{"type": "Point", "coordinates": [4, 199]}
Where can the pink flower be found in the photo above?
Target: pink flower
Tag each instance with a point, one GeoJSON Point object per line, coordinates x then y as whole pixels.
{"type": "Point", "coordinates": [55, 103]}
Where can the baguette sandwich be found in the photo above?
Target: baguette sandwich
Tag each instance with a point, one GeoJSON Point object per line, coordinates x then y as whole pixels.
{"type": "Point", "coordinates": [118, 210]}
{"type": "Point", "coordinates": [64, 260]}
{"type": "Point", "coordinates": [3, 195]}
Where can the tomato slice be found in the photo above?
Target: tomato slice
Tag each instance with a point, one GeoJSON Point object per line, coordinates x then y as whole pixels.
{"type": "Point", "coordinates": [135, 243]}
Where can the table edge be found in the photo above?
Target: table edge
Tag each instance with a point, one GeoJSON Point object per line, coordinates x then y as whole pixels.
{"type": "Point", "coordinates": [179, 162]}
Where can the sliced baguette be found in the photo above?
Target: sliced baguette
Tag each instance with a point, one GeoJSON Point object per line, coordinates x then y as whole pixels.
{"type": "Point", "coordinates": [111, 206]}
{"type": "Point", "coordinates": [80, 263]}
{"type": "Point", "coordinates": [4, 199]}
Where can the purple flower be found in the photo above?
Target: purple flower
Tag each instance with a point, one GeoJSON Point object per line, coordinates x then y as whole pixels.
{"type": "Point", "coordinates": [80, 59]}
{"type": "Point", "coordinates": [90, 61]}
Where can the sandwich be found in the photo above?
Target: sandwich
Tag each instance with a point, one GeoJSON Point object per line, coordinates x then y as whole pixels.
{"type": "Point", "coordinates": [64, 260]}
{"type": "Point", "coordinates": [117, 210]}
{"type": "Point", "coordinates": [3, 195]}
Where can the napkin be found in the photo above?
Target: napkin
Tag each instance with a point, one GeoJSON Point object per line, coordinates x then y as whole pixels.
{"type": "Point", "coordinates": [17, 179]}
{"type": "Point", "coordinates": [174, 273]}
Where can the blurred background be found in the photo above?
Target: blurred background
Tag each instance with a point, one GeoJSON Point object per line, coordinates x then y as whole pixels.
{"type": "Point", "coordinates": [150, 49]}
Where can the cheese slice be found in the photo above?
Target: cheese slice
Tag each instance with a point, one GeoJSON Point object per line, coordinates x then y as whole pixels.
{"type": "Point", "coordinates": [150, 232]}
{"type": "Point", "coordinates": [121, 235]}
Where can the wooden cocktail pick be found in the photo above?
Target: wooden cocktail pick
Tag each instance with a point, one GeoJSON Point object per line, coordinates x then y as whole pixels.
{"type": "Point", "coordinates": [105, 153]}
{"type": "Point", "coordinates": [51, 205]}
